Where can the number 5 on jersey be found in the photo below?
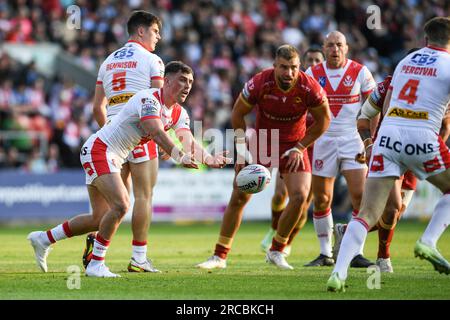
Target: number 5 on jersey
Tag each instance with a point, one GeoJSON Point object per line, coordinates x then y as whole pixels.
{"type": "Point", "coordinates": [118, 82]}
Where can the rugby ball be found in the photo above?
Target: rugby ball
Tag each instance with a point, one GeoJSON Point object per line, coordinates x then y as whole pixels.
{"type": "Point", "coordinates": [253, 178]}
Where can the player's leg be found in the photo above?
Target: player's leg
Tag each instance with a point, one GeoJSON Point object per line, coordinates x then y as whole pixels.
{"type": "Point", "coordinates": [355, 183]}
{"type": "Point", "coordinates": [322, 190]}
{"type": "Point", "coordinates": [426, 246]}
{"type": "Point", "coordinates": [298, 186]}
{"type": "Point", "coordinates": [299, 226]}
{"type": "Point", "coordinates": [278, 205]}
{"type": "Point", "coordinates": [230, 224]}
{"type": "Point", "coordinates": [90, 238]}
{"type": "Point", "coordinates": [386, 227]}
{"type": "Point", "coordinates": [78, 225]}
{"type": "Point", "coordinates": [115, 193]}
{"type": "Point", "coordinates": [144, 176]}
{"type": "Point", "coordinates": [372, 206]}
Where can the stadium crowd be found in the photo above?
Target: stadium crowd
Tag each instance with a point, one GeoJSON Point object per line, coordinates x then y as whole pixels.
{"type": "Point", "coordinates": [224, 41]}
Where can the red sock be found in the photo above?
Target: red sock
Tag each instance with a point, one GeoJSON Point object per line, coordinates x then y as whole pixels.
{"type": "Point", "coordinates": [221, 251]}
{"type": "Point", "coordinates": [277, 246]}
{"type": "Point", "coordinates": [384, 242]}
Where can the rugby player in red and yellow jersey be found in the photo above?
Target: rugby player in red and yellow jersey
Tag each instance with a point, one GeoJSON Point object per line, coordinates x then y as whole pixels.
{"type": "Point", "coordinates": [281, 97]}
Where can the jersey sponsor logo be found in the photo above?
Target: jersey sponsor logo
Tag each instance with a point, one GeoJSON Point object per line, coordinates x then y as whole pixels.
{"type": "Point", "coordinates": [298, 99]}
{"type": "Point", "coordinates": [410, 148]}
{"type": "Point", "coordinates": [408, 114]}
{"type": "Point", "coordinates": [119, 99]}
{"type": "Point", "coordinates": [348, 81]}
{"type": "Point", "coordinates": [123, 53]}
{"type": "Point", "coordinates": [271, 97]}
{"type": "Point", "coordinates": [149, 107]}
{"type": "Point", "coordinates": [432, 165]}
{"type": "Point", "coordinates": [343, 99]}
{"type": "Point", "coordinates": [322, 81]}
{"type": "Point", "coordinates": [272, 117]}
{"type": "Point", "coordinates": [421, 59]}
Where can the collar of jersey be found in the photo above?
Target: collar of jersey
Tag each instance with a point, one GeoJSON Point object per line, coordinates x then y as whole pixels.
{"type": "Point", "coordinates": [438, 48]}
{"type": "Point", "coordinates": [139, 43]}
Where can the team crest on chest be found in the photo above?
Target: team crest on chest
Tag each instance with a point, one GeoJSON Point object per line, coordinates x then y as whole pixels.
{"type": "Point", "coordinates": [322, 81]}
{"type": "Point", "coordinates": [348, 81]}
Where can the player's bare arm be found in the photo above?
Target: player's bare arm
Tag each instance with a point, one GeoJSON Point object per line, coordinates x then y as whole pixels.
{"type": "Point", "coordinates": [99, 108]}
{"type": "Point", "coordinates": [445, 129]}
{"type": "Point", "coordinates": [240, 109]}
{"type": "Point", "coordinates": [155, 130]}
{"type": "Point", "coordinates": [367, 120]}
{"type": "Point", "coordinates": [188, 141]}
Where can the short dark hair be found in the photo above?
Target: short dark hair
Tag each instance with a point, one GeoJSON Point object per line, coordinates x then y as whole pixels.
{"type": "Point", "coordinates": [437, 30]}
{"type": "Point", "coordinates": [142, 18]}
{"type": "Point", "coordinates": [286, 51]}
{"type": "Point", "coordinates": [314, 50]}
{"type": "Point", "coordinates": [176, 66]}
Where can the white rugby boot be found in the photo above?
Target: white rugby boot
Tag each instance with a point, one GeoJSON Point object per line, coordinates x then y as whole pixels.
{"type": "Point", "coordinates": [41, 250]}
{"type": "Point", "coordinates": [277, 258]}
{"type": "Point", "coordinates": [213, 262]}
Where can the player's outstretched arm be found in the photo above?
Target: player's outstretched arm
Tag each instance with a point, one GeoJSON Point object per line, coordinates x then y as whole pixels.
{"type": "Point", "coordinates": [99, 107]}
{"type": "Point", "coordinates": [189, 143]}
{"type": "Point", "coordinates": [155, 130]}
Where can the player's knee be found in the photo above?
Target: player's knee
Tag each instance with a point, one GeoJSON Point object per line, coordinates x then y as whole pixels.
{"type": "Point", "coordinates": [297, 200]}
{"type": "Point", "coordinates": [322, 201]}
{"type": "Point", "coordinates": [121, 206]}
{"type": "Point", "coordinates": [279, 197]}
{"type": "Point", "coordinates": [391, 212]}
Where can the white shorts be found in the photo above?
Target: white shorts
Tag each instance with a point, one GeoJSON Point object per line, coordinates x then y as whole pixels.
{"type": "Point", "coordinates": [334, 154]}
{"type": "Point", "coordinates": [143, 152]}
{"type": "Point", "coordinates": [399, 148]}
{"type": "Point", "coordinates": [97, 160]}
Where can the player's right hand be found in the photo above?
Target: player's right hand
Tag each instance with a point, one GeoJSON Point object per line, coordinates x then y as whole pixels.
{"type": "Point", "coordinates": [361, 157]}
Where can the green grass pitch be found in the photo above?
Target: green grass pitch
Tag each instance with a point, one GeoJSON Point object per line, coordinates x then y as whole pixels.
{"type": "Point", "coordinates": [175, 249]}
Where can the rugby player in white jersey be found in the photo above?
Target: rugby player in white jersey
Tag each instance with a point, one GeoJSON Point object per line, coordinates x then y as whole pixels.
{"type": "Point", "coordinates": [126, 71]}
{"type": "Point", "coordinates": [146, 116]}
{"type": "Point", "coordinates": [408, 138]}
{"type": "Point", "coordinates": [347, 84]}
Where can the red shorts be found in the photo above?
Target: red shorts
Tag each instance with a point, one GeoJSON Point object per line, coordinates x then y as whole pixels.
{"type": "Point", "coordinates": [409, 181]}
{"type": "Point", "coordinates": [265, 158]}
{"type": "Point", "coordinates": [143, 152]}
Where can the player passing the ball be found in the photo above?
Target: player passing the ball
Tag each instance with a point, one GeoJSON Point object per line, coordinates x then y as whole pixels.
{"type": "Point", "coordinates": [282, 95]}
{"type": "Point", "coordinates": [147, 115]}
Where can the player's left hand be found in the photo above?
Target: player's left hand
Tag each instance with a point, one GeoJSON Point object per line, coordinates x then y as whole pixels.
{"type": "Point", "coordinates": [219, 160]}
{"type": "Point", "coordinates": [295, 160]}
{"type": "Point", "coordinates": [162, 154]}
{"type": "Point", "coordinates": [361, 157]}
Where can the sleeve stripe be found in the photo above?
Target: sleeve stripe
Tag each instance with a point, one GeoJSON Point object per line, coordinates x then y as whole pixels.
{"type": "Point", "coordinates": [367, 92]}
{"type": "Point", "coordinates": [99, 82]}
{"type": "Point", "coordinates": [157, 78]}
{"type": "Point", "coordinates": [248, 104]}
{"type": "Point", "coordinates": [150, 117]}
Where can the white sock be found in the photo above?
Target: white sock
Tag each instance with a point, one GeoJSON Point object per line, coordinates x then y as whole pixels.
{"type": "Point", "coordinates": [354, 215]}
{"type": "Point", "coordinates": [99, 251]}
{"type": "Point", "coordinates": [354, 238]}
{"type": "Point", "coordinates": [60, 232]}
{"type": "Point", "coordinates": [438, 223]}
{"type": "Point", "coordinates": [323, 224]}
{"type": "Point", "coordinates": [139, 251]}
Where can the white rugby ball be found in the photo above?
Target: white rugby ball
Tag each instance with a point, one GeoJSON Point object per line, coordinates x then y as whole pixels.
{"type": "Point", "coordinates": [253, 178]}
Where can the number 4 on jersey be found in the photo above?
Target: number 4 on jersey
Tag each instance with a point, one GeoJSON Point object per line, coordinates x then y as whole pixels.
{"type": "Point", "coordinates": [408, 92]}
{"type": "Point", "coordinates": [118, 82]}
